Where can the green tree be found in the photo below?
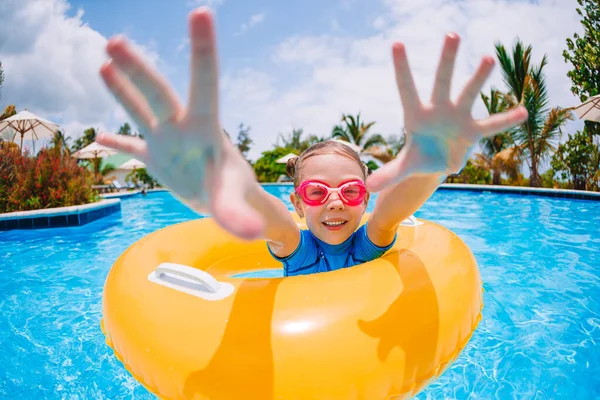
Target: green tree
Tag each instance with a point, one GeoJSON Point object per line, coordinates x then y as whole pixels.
{"type": "Point", "coordinates": [88, 137]}
{"type": "Point", "coordinates": [266, 169]}
{"type": "Point", "coordinates": [583, 52]}
{"type": "Point", "coordinates": [355, 131]}
{"type": "Point", "coordinates": [577, 161]}
{"type": "Point", "coordinates": [125, 130]}
{"type": "Point", "coordinates": [243, 140]}
{"type": "Point", "coordinates": [472, 173]}
{"type": "Point", "coordinates": [527, 85]}
{"type": "Point", "coordinates": [295, 141]}
{"type": "Point", "coordinates": [498, 153]}
{"type": "Point", "coordinates": [60, 141]}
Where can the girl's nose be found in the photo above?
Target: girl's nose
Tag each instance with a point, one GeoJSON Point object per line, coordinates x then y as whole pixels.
{"type": "Point", "coordinates": [335, 203]}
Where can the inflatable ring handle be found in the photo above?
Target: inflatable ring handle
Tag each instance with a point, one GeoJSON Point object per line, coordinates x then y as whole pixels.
{"type": "Point", "coordinates": [411, 221]}
{"type": "Point", "coordinates": [192, 274]}
{"type": "Point", "coordinates": [190, 280]}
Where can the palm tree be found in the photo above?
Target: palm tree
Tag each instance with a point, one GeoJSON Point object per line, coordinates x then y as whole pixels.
{"type": "Point", "coordinates": [89, 137]}
{"type": "Point", "coordinates": [527, 85]}
{"type": "Point", "coordinates": [295, 142]}
{"type": "Point", "coordinates": [355, 131]}
{"type": "Point", "coordinates": [60, 142]}
{"type": "Point", "coordinates": [499, 153]}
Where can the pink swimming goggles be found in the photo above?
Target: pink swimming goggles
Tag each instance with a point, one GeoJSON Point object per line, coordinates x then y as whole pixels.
{"type": "Point", "coordinates": [315, 193]}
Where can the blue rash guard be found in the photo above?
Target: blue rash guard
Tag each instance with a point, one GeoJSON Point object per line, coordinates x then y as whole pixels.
{"type": "Point", "coordinates": [313, 255]}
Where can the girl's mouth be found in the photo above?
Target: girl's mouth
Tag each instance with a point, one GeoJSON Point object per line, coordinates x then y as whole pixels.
{"type": "Point", "coordinates": [334, 225]}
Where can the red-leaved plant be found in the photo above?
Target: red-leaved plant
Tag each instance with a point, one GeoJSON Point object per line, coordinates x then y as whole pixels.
{"type": "Point", "coordinates": [50, 179]}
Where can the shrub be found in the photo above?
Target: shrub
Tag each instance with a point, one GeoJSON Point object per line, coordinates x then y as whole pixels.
{"type": "Point", "coordinates": [141, 175]}
{"type": "Point", "coordinates": [47, 180]}
{"type": "Point", "coordinates": [474, 174]}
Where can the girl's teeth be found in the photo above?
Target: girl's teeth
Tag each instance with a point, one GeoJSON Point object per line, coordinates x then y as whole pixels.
{"type": "Point", "coordinates": [334, 223]}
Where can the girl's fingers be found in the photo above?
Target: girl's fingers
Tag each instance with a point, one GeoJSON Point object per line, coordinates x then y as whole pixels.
{"type": "Point", "coordinates": [443, 78]}
{"type": "Point", "coordinates": [473, 87]}
{"type": "Point", "coordinates": [501, 122]}
{"type": "Point", "coordinates": [404, 80]}
{"type": "Point", "coordinates": [159, 96]}
{"type": "Point", "coordinates": [204, 84]}
{"type": "Point", "coordinates": [128, 95]}
{"type": "Point", "coordinates": [126, 144]}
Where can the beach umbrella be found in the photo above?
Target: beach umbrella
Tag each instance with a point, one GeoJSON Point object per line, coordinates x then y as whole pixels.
{"type": "Point", "coordinates": [589, 109]}
{"type": "Point", "coordinates": [132, 164]}
{"type": "Point", "coordinates": [284, 159]}
{"type": "Point", "coordinates": [93, 151]}
{"type": "Point", "coordinates": [26, 122]}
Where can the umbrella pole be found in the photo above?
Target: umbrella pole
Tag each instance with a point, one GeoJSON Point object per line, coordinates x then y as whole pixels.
{"type": "Point", "coordinates": [22, 134]}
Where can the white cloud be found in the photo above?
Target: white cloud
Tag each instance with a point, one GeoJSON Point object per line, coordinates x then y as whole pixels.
{"type": "Point", "coordinates": [321, 77]}
{"type": "Point", "coordinates": [51, 62]}
{"type": "Point", "coordinates": [252, 22]}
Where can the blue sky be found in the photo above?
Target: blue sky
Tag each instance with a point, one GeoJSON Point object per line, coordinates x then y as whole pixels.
{"type": "Point", "coordinates": [242, 43]}
{"type": "Point", "coordinates": [283, 64]}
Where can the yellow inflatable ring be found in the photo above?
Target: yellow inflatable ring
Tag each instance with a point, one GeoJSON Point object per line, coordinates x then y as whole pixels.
{"type": "Point", "coordinates": [381, 330]}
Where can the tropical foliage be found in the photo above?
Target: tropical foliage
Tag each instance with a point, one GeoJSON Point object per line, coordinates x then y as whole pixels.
{"type": "Point", "coordinates": [50, 179]}
{"type": "Point", "coordinates": [296, 142]}
{"type": "Point", "coordinates": [526, 82]}
{"type": "Point", "coordinates": [266, 169]}
{"type": "Point", "coordinates": [577, 161]}
{"type": "Point", "coordinates": [355, 131]}
{"type": "Point", "coordinates": [498, 154]}
{"type": "Point", "coordinates": [88, 137]}
{"type": "Point", "coordinates": [474, 174]}
{"type": "Point", "coordinates": [244, 141]}
{"type": "Point", "coordinates": [582, 52]}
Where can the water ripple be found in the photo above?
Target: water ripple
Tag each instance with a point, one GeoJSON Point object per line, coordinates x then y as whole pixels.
{"type": "Point", "coordinates": [538, 339]}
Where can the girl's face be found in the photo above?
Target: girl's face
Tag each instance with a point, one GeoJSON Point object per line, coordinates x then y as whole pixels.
{"type": "Point", "coordinates": [324, 220]}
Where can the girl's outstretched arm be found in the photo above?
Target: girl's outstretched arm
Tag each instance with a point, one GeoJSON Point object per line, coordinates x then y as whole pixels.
{"type": "Point", "coordinates": [439, 136]}
{"type": "Point", "coordinates": [185, 147]}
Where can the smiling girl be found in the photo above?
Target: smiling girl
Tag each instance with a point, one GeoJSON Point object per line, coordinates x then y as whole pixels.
{"type": "Point", "coordinates": [185, 148]}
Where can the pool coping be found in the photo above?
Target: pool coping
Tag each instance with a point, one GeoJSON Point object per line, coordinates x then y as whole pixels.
{"type": "Point", "coordinates": [132, 193]}
{"type": "Point", "coordinates": [523, 190]}
{"type": "Point", "coordinates": [59, 216]}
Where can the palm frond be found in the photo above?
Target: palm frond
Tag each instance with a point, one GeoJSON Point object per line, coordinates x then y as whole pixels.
{"type": "Point", "coordinates": [374, 140]}
{"type": "Point", "coordinates": [483, 161]}
{"type": "Point", "coordinates": [550, 132]}
{"type": "Point", "coordinates": [340, 132]}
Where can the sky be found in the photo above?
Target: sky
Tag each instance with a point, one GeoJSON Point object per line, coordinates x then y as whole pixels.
{"type": "Point", "coordinates": [283, 64]}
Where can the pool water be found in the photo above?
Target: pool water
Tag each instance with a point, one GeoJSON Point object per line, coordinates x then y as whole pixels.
{"type": "Point", "coordinates": [539, 337]}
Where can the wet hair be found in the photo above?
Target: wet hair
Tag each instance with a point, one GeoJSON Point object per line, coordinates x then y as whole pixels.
{"type": "Point", "coordinates": [294, 165]}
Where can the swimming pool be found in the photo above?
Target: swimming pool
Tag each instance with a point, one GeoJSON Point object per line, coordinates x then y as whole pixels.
{"type": "Point", "coordinates": [539, 337]}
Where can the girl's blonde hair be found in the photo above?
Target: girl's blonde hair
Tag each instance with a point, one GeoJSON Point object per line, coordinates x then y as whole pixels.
{"type": "Point", "coordinates": [294, 165]}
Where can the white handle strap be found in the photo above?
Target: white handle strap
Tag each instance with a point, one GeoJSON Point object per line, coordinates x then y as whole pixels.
{"type": "Point", "coordinates": [190, 280]}
{"type": "Point", "coordinates": [411, 221]}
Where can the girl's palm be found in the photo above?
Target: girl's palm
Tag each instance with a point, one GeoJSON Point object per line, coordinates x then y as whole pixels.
{"type": "Point", "coordinates": [185, 147]}
{"type": "Point", "coordinates": [439, 135]}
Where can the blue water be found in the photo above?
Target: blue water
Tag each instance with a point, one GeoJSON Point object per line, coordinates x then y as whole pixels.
{"type": "Point", "coordinates": [538, 339]}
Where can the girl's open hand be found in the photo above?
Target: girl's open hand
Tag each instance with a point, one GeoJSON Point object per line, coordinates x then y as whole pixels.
{"type": "Point", "coordinates": [185, 147]}
{"type": "Point", "coordinates": [440, 135]}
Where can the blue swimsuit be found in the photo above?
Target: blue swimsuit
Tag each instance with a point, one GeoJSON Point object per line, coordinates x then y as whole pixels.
{"type": "Point", "coordinates": [313, 255]}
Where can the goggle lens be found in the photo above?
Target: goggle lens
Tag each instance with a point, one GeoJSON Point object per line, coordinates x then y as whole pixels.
{"type": "Point", "coordinates": [315, 193]}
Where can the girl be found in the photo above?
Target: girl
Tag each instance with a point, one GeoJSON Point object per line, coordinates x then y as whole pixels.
{"type": "Point", "coordinates": [185, 148]}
